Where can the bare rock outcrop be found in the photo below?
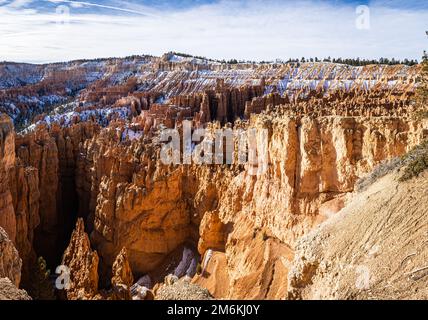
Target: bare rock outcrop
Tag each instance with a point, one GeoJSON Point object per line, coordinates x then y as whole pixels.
{"type": "Point", "coordinates": [312, 161]}
{"type": "Point", "coordinates": [82, 262]}
{"type": "Point", "coordinates": [149, 208]}
{"type": "Point", "coordinates": [25, 190]}
{"type": "Point", "coordinates": [326, 124]}
{"type": "Point", "coordinates": [10, 270]}
{"type": "Point", "coordinates": [19, 197]}
{"type": "Point", "coordinates": [7, 161]}
{"type": "Point", "coordinates": [122, 278]}
{"type": "Point", "coordinates": [10, 262]}
{"type": "Point", "coordinates": [39, 151]}
{"type": "Point", "coordinates": [8, 291]}
{"type": "Point", "coordinates": [43, 188]}
{"type": "Point", "coordinates": [127, 187]}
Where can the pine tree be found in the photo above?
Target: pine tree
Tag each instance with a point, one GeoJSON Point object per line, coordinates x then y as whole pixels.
{"type": "Point", "coordinates": [422, 92]}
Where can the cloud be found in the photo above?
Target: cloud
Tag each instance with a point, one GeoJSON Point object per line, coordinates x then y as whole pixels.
{"type": "Point", "coordinates": [80, 4]}
{"type": "Point", "coordinates": [223, 29]}
{"type": "Point", "coordinates": [19, 3]}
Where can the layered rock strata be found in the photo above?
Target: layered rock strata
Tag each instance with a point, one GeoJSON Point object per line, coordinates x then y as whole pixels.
{"type": "Point", "coordinates": [327, 125]}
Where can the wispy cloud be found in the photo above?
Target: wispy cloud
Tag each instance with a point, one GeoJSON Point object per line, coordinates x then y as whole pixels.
{"type": "Point", "coordinates": [222, 29]}
{"type": "Point", "coordinates": [141, 10]}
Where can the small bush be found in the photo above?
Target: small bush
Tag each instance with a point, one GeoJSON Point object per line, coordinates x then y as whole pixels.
{"type": "Point", "coordinates": [416, 162]}
{"type": "Point", "coordinates": [378, 172]}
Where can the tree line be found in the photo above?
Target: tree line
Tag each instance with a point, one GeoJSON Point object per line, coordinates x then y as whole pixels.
{"type": "Point", "coordinates": [348, 61]}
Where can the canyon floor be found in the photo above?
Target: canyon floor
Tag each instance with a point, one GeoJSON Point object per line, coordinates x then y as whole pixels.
{"type": "Point", "coordinates": [90, 210]}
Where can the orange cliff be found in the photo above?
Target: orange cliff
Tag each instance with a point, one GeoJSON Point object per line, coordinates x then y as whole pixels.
{"type": "Point", "coordinates": [251, 221]}
{"type": "Point", "coordinates": [139, 212]}
{"type": "Point", "coordinates": [129, 199]}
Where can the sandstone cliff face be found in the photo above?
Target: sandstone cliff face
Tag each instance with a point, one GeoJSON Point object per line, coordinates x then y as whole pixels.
{"type": "Point", "coordinates": [10, 270]}
{"type": "Point", "coordinates": [10, 262]}
{"type": "Point", "coordinates": [19, 213]}
{"type": "Point", "coordinates": [83, 265]}
{"type": "Point", "coordinates": [327, 126]}
{"type": "Point", "coordinates": [150, 208]}
{"type": "Point", "coordinates": [8, 291]}
{"type": "Point", "coordinates": [26, 203]}
{"type": "Point", "coordinates": [40, 152]}
{"type": "Point", "coordinates": [43, 186]}
{"type": "Point", "coordinates": [7, 161]}
{"type": "Point", "coordinates": [138, 207]}
{"type": "Point", "coordinates": [122, 279]}
{"type": "Point", "coordinates": [311, 162]}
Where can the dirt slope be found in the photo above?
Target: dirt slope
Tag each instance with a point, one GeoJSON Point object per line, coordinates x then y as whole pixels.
{"type": "Point", "coordinates": [375, 248]}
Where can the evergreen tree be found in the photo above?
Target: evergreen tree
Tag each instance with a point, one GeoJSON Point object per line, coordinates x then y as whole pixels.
{"type": "Point", "coordinates": [422, 91]}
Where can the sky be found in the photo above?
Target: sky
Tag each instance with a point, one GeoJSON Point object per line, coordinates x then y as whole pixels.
{"type": "Point", "coordinates": [40, 31]}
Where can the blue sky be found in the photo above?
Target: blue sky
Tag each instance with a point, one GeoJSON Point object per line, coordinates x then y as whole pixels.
{"type": "Point", "coordinates": [53, 30]}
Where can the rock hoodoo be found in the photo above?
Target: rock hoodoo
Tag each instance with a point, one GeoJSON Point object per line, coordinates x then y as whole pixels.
{"type": "Point", "coordinates": [92, 158]}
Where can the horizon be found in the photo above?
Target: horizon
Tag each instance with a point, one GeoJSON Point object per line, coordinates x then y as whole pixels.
{"type": "Point", "coordinates": [49, 31]}
{"type": "Point", "coordinates": [224, 61]}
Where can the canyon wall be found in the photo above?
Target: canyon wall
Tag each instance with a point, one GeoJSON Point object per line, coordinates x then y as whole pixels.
{"type": "Point", "coordinates": [7, 161]}
{"type": "Point", "coordinates": [10, 262]}
{"type": "Point", "coordinates": [253, 220]}
{"type": "Point", "coordinates": [10, 270]}
{"type": "Point", "coordinates": [129, 199]}
{"type": "Point", "coordinates": [97, 161]}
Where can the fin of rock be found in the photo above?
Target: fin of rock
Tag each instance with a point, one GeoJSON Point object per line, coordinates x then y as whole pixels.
{"type": "Point", "coordinates": [82, 262]}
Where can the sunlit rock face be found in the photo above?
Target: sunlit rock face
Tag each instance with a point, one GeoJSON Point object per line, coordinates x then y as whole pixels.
{"type": "Point", "coordinates": [7, 160]}
{"type": "Point", "coordinates": [83, 264]}
{"type": "Point", "coordinates": [106, 89]}
{"type": "Point", "coordinates": [96, 156]}
{"type": "Point", "coordinates": [10, 263]}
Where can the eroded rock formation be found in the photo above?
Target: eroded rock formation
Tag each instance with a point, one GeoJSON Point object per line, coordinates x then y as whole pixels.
{"type": "Point", "coordinates": [82, 262]}
{"type": "Point", "coordinates": [326, 124]}
{"type": "Point", "coordinates": [122, 279]}
{"type": "Point", "coordinates": [8, 291]}
{"type": "Point", "coordinates": [10, 262]}
{"type": "Point", "coordinates": [7, 161]}
{"type": "Point", "coordinates": [150, 208]}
